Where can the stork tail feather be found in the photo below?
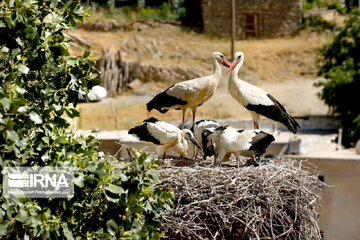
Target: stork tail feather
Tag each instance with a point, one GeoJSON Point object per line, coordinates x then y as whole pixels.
{"type": "Point", "coordinates": [143, 134]}
{"type": "Point", "coordinates": [262, 144]}
{"type": "Point", "coordinates": [163, 102]}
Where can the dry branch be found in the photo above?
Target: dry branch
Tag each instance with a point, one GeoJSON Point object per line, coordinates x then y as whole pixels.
{"type": "Point", "coordinates": [271, 201]}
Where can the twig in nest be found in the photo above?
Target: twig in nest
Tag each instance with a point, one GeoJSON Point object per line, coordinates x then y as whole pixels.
{"type": "Point", "coordinates": [272, 201]}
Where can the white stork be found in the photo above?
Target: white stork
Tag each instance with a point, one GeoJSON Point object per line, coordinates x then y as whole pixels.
{"type": "Point", "coordinates": [201, 130]}
{"type": "Point", "coordinates": [249, 143]}
{"type": "Point", "coordinates": [191, 93]}
{"type": "Point", "coordinates": [164, 135]}
{"type": "Point", "coordinates": [256, 100]}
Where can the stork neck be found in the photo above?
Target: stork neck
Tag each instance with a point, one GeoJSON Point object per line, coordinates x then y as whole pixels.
{"type": "Point", "coordinates": [235, 71]}
{"type": "Point", "coordinates": [217, 69]}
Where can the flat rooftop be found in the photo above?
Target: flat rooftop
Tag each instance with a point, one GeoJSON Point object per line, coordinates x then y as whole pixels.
{"type": "Point", "coordinates": [312, 145]}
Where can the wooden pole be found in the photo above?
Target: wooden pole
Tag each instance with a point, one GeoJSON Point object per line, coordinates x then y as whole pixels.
{"type": "Point", "coordinates": [232, 29]}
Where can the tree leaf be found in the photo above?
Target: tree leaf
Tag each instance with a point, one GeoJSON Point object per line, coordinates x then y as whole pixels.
{"type": "Point", "coordinates": [12, 135]}
{"type": "Point", "coordinates": [35, 118]}
{"type": "Point", "coordinates": [86, 53]}
{"type": "Point", "coordinates": [111, 227]}
{"type": "Point", "coordinates": [3, 227]}
{"type": "Point", "coordinates": [22, 216]}
{"type": "Point", "coordinates": [67, 233]}
{"type": "Point", "coordinates": [114, 189]}
{"type": "Point", "coordinates": [5, 102]}
{"type": "Point", "coordinates": [111, 199]}
{"type": "Point", "coordinates": [20, 90]}
{"type": "Point", "coordinates": [23, 69]}
{"type": "Point", "coordinates": [166, 195]}
{"type": "Point", "coordinates": [23, 109]}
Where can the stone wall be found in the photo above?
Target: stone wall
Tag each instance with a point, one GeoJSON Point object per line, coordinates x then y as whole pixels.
{"type": "Point", "coordinates": [254, 18]}
{"type": "Point", "coordinates": [117, 74]}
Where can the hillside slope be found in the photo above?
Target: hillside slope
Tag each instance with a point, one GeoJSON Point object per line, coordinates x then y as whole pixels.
{"type": "Point", "coordinates": [284, 67]}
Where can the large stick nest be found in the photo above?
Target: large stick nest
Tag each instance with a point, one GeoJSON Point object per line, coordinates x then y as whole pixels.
{"type": "Point", "coordinates": [276, 200]}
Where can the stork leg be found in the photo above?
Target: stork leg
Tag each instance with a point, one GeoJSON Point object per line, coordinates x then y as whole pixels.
{"type": "Point", "coordinates": [225, 158]}
{"type": "Point", "coordinates": [183, 118]}
{"type": "Point", "coordinates": [194, 113]}
{"type": "Point", "coordinates": [255, 118]}
{"type": "Point", "coordinates": [256, 125]}
{"type": "Point", "coordinates": [164, 156]}
{"type": "Point", "coordinates": [196, 153]}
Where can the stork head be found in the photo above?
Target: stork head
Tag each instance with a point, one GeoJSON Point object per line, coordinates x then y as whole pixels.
{"type": "Point", "coordinates": [238, 58]}
{"type": "Point", "coordinates": [190, 137]}
{"type": "Point", "coordinates": [220, 58]}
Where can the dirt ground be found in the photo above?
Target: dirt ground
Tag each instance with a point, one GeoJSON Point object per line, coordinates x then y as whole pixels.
{"type": "Point", "coordinates": [284, 67]}
{"type": "Point", "coordinates": [298, 96]}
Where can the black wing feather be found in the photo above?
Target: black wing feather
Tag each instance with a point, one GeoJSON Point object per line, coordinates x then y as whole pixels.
{"type": "Point", "coordinates": [143, 134]}
{"type": "Point", "coordinates": [275, 112]}
{"type": "Point", "coordinates": [162, 102]}
{"type": "Point", "coordinates": [259, 146]}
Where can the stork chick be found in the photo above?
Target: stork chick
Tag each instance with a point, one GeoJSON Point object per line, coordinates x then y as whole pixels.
{"type": "Point", "coordinates": [248, 143]}
{"type": "Point", "coordinates": [256, 100]}
{"type": "Point", "coordinates": [201, 130]}
{"type": "Point", "coordinates": [191, 93]}
{"type": "Point", "coordinates": [165, 136]}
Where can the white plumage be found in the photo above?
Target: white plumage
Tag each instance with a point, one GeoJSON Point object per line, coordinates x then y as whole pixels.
{"type": "Point", "coordinates": [256, 100]}
{"type": "Point", "coordinates": [201, 130]}
{"type": "Point", "coordinates": [164, 135]}
{"type": "Point", "coordinates": [191, 93]}
{"type": "Point", "coordinates": [249, 143]}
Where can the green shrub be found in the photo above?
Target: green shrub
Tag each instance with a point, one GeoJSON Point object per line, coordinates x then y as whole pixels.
{"type": "Point", "coordinates": [40, 83]}
{"type": "Point", "coordinates": [317, 23]}
{"type": "Point", "coordinates": [127, 12]}
{"type": "Point", "coordinates": [148, 14]}
{"type": "Point", "coordinates": [336, 5]}
{"type": "Point", "coordinates": [339, 63]}
{"type": "Point", "coordinates": [164, 11]}
{"type": "Point", "coordinates": [311, 4]}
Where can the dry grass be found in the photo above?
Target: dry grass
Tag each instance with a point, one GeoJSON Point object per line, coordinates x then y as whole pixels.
{"type": "Point", "coordinates": [273, 59]}
{"type": "Point", "coordinates": [269, 63]}
{"type": "Point", "coordinates": [127, 111]}
{"type": "Point", "coordinates": [282, 59]}
{"type": "Point", "coordinates": [272, 201]}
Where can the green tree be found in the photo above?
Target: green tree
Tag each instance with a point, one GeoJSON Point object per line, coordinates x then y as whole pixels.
{"type": "Point", "coordinates": [190, 14]}
{"type": "Point", "coordinates": [40, 83]}
{"type": "Point", "coordinates": [339, 63]}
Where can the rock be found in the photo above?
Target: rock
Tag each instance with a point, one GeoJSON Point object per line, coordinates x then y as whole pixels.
{"type": "Point", "coordinates": [135, 85]}
{"type": "Point", "coordinates": [357, 147]}
{"type": "Point", "coordinates": [162, 73]}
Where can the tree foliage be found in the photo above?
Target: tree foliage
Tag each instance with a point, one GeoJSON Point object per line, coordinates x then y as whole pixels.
{"type": "Point", "coordinates": [190, 14]}
{"type": "Point", "coordinates": [40, 83]}
{"type": "Point", "coordinates": [339, 63]}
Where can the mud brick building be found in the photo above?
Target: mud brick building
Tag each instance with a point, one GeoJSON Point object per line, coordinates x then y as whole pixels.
{"type": "Point", "coordinates": [254, 18]}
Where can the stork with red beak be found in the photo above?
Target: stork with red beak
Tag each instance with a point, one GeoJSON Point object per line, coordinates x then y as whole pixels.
{"type": "Point", "coordinates": [256, 100]}
{"type": "Point", "coordinates": [191, 93]}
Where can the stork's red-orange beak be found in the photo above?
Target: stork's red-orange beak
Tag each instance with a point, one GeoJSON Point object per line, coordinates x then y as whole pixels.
{"type": "Point", "coordinates": [233, 64]}
{"type": "Point", "coordinates": [226, 63]}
